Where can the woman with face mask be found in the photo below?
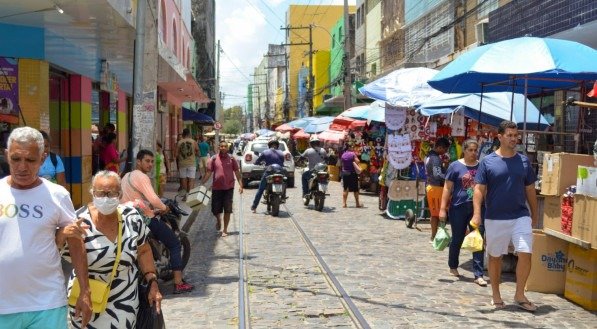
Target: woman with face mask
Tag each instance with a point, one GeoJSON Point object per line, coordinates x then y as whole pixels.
{"type": "Point", "coordinates": [100, 222]}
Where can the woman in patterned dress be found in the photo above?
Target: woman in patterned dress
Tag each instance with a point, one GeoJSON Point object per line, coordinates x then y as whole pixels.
{"type": "Point", "coordinates": [101, 222]}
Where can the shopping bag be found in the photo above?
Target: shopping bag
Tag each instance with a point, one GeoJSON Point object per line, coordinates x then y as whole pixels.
{"type": "Point", "coordinates": [473, 241]}
{"type": "Point", "coordinates": [442, 238]}
{"type": "Point", "coordinates": [198, 197]}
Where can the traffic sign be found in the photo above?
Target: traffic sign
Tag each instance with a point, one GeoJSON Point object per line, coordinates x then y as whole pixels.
{"type": "Point", "coordinates": [217, 125]}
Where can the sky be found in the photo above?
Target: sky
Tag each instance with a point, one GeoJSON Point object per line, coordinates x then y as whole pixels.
{"type": "Point", "coordinates": [245, 28]}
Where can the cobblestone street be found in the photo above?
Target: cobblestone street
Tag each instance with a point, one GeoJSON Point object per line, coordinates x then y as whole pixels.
{"type": "Point", "coordinates": [392, 274]}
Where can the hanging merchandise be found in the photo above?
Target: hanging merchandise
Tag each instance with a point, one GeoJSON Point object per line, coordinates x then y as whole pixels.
{"type": "Point", "coordinates": [395, 117]}
{"type": "Point", "coordinates": [399, 151]}
{"type": "Point", "coordinates": [458, 124]}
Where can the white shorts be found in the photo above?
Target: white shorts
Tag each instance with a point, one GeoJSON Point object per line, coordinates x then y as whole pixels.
{"type": "Point", "coordinates": [187, 172]}
{"type": "Point", "coordinates": [203, 161]}
{"type": "Point", "coordinates": [499, 234]}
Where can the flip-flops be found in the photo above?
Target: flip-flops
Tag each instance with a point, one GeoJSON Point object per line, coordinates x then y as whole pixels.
{"type": "Point", "coordinates": [526, 305]}
{"type": "Point", "coordinates": [498, 305]}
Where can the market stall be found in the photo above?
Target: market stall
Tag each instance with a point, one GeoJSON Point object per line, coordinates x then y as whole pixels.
{"type": "Point", "coordinates": [569, 226]}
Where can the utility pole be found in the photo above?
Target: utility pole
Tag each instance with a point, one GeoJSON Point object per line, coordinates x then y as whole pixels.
{"type": "Point", "coordinates": [258, 107]}
{"type": "Point", "coordinates": [138, 112]}
{"type": "Point", "coordinates": [347, 56]}
{"type": "Point", "coordinates": [218, 96]}
{"type": "Point", "coordinates": [310, 44]}
{"type": "Point", "coordinates": [267, 103]}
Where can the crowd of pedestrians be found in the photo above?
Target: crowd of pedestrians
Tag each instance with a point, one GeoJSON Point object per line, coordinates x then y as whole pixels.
{"type": "Point", "coordinates": [496, 194]}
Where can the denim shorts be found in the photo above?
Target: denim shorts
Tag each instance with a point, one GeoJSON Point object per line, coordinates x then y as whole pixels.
{"type": "Point", "coordinates": [52, 318]}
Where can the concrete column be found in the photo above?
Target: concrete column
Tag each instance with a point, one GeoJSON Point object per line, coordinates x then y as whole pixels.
{"type": "Point", "coordinates": [76, 138]}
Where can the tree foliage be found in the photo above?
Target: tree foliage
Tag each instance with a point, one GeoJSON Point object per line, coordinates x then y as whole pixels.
{"type": "Point", "coordinates": [232, 120]}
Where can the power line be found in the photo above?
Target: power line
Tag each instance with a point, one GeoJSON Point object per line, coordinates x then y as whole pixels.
{"type": "Point", "coordinates": [239, 71]}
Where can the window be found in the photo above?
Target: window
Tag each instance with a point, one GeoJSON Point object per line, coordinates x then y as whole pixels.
{"type": "Point", "coordinates": [374, 69]}
{"type": "Point", "coordinates": [486, 8]}
{"type": "Point", "coordinates": [174, 39]}
{"type": "Point", "coordinates": [260, 147]}
{"type": "Point", "coordinates": [163, 29]}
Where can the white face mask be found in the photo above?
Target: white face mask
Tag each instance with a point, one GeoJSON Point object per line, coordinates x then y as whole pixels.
{"type": "Point", "coordinates": [106, 205]}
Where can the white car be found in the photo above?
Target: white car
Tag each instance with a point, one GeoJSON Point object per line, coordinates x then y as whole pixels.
{"type": "Point", "coordinates": [250, 171]}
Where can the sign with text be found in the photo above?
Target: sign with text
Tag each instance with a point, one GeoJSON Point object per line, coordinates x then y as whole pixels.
{"type": "Point", "coordinates": [9, 90]}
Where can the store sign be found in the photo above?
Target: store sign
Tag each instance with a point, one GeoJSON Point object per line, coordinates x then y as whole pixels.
{"type": "Point", "coordinates": [9, 87]}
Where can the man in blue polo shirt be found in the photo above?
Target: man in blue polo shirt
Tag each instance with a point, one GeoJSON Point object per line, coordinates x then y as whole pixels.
{"type": "Point", "coordinates": [269, 157]}
{"type": "Point", "coordinates": [507, 181]}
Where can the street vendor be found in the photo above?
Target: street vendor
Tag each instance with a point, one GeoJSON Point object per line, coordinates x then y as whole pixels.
{"type": "Point", "coordinates": [435, 169]}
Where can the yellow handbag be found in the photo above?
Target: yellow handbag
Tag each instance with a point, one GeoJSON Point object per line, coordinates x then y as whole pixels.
{"type": "Point", "coordinates": [99, 290]}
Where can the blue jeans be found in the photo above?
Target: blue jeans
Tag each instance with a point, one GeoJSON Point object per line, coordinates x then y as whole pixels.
{"type": "Point", "coordinates": [459, 217]}
{"type": "Point", "coordinates": [305, 181]}
{"type": "Point", "coordinates": [262, 186]}
{"type": "Point", "coordinates": [164, 233]}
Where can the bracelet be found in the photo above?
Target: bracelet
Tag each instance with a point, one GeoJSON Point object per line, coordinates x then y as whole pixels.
{"type": "Point", "coordinates": [149, 272]}
{"type": "Point", "coordinates": [152, 280]}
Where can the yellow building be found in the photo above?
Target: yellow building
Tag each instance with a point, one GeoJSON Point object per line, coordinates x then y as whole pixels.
{"type": "Point", "coordinates": [321, 72]}
{"type": "Point", "coordinates": [323, 18]}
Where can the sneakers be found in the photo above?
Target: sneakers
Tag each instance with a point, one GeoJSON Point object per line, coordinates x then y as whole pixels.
{"type": "Point", "coordinates": [480, 281]}
{"type": "Point", "coordinates": [454, 272]}
{"type": "Point", "coordinates": [183, 287]}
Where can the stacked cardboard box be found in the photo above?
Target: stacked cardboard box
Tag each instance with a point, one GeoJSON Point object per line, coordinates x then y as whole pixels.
{"type": "Point", "coordinates": [581, 277]}
{"type": "Point", "coordinates": [548, 264]}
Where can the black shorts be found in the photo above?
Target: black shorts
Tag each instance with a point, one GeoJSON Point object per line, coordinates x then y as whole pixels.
{"type": "Point", "coordinates": [350, 181]}
{"type": "Point", "coordinates": [221, 201]}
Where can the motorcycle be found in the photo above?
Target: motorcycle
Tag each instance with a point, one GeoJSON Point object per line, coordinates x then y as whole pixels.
{"type": "Point", "coordinates": [275, 190]}
{"type": "Point", "coordinates": [318, 186]}
{"type": "Point", "coordinates": [161, 254]}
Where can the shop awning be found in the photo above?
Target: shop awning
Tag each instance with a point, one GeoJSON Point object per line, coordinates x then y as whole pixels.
{"type": "Point", "coordinates": [325, 109]}
{"type": "Point", "coordinates": [189, 115]}
{"type": "Point", "coordinates": [341, 123]}
{"type": "Point", "coordinates": [332, 136]}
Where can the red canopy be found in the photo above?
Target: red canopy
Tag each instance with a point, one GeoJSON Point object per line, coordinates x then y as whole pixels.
{"type": "Point", "coordinates": [332, 136]}
{"type": "Point", "coordinates": [341, 123]}
{"type": "Point", "coordinates": [285, 127]}
{"type": "Point", "coordinates": [301, 134]}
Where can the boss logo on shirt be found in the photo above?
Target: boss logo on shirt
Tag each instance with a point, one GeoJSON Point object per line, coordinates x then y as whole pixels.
{"type": "Point", "coordinates": [22, 211]}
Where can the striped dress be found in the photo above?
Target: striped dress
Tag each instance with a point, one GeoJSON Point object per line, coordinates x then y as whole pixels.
{"type": "Point", "coordinates": [123, 301]}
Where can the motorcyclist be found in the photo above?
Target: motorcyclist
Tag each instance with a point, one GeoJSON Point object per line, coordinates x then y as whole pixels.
{"type": "Point", "coordinates": [269, 157]}
{"type": "Point", "coordinates": [314, 155]}
{"type": "Point", "coordinates": [136, 186]}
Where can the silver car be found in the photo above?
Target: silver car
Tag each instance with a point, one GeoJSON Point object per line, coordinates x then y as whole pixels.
{"type": "Point", "coordinates": [250, 171]}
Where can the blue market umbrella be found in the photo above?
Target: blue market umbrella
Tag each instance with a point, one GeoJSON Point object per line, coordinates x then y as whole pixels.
{"type": "Point", "coordinates": [403, 87]}
{"type": "Point", "coordinates": [265, 132]}
{"type": "Point", "coordinates": [370, 112]}
{"type": "Point", "coordinates": [541, 63]}
{"type": "Point", "coordinates": [318, 124]}
{"type": "Point", "coordinates": [300, 123]}
{"type": "Point", "coordinates": [495, 108]}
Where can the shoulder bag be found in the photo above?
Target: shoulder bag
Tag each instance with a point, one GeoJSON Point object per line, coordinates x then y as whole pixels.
{"type": "Point", "coordinates": [99, 290]}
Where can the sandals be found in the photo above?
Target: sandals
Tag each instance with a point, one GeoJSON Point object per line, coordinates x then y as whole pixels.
{"type": "Point", "coordinates": [498, 305]}
{"type": "Point", "coordinates": [526, 305]}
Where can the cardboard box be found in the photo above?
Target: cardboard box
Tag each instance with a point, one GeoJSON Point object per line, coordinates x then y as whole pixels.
{"type": "Point", "coordinates": [548, 264]}
{"type": "Point", "coordinates": [198, 197]}
{"type": "Point", "coordinates": [581, 277]}
{"type": "Point", "coordinates": [334, 172]}
{"type": "Point", "coordinates": [552, 213]}
{"type": "Point", "coordinates": [559, 171]}
{"type": "Point", "coordinates": [584, 220]}
{"type": "Point", "coordinates": [586, 181]}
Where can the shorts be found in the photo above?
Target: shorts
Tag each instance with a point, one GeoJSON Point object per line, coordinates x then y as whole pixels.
{"type": "Point", "coordinates": [52, 318]}
{"type": "Point", "coordinates": [203, 162]}
{"type": "Point", "coordinates": [500, 232]}
{"type": "Point", "coordinates": [434, 199]}
{"type": "Point", "coordinates": [350, 181]}
{"type": "Point", "coordinates": [187, 172]}
{"type": "Point", "coordinates": [221, 201]}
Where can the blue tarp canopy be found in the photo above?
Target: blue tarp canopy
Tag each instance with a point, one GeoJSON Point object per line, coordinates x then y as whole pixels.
{"type": "Point", "coordinates": [489, 108]}
{"type": "Point", "coordinates": [189, 115]}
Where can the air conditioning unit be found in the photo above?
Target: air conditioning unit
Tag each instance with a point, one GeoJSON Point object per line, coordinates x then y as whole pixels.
{"type": "Point", "coordinates": [481, 32]}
